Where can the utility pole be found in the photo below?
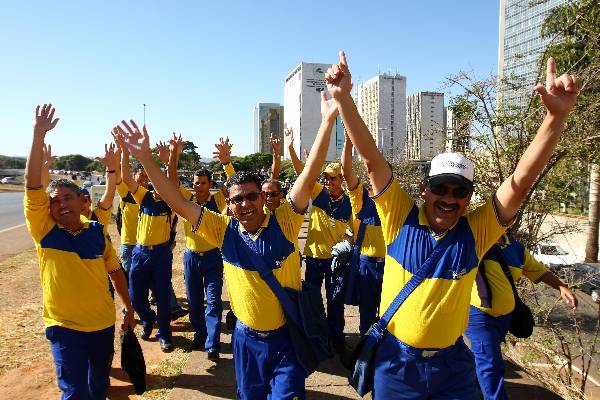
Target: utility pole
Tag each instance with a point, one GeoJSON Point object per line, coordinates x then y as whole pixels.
{"type": "Point", "coordinates": [144, 113]}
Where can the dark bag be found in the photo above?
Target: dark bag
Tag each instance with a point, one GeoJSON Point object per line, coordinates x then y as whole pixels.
{"type": "Point", "coordinates": [522, 322]}
{"type": "Point", "coordinates": [230, 320]}
{"type": "Point", "coordinates": [345, 272]}
{"type": "Point", "coordinates": [132, 360]}
{"type": "Point", "coordinates": [304, 312]}
{"type": "Point", "coordinates": [363, 373]}
{"type": "Point", "coordinates": [119, 220]}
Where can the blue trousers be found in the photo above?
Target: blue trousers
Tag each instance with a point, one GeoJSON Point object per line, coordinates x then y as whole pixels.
{"type": "Point", "coordinates": [485, 334]}
{"type": "Point", "coordinates": [265, 365]}
{"type": "Point", "coordinates": [204, 276]}
{"type": "Point", "coordinates": [316, 270]}
{"type": "Point", "coordinates": [370, 272]}
{"type": "Point", "coordinates": [82, 361]}
{"type": "Point", "coordinates": [152, 268]}
{"type": "Point", "coordinates": [402, 372]}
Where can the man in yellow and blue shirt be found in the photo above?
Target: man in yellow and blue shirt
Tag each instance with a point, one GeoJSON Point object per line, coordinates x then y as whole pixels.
{"type": "Point", "coordinates": [372, 249]}
{"type": "Point", "coordinates": [265, 362]}
{"type": "Point", "coordinates": [74, 256]}
{"type": "Point", "coordinates": [422, 354]}
{"type": "Point", "coordinates": [492, 302]}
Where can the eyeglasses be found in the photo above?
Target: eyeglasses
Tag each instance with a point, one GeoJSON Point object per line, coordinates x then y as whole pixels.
{"type": "Point", "coordinates": [272, 194]}
{"type": "Point", "coordinates": [253, 196]}
{"type": "Point", "coordinates": [460, 192]}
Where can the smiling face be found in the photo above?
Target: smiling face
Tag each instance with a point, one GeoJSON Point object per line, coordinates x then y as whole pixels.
{"type": "Point", "coordinates": [273, 195]}
{"type": "Point", "coordinates": [443, 211]}
{"type": "Point", "coordinates": [333, 184]}
{"type": "Point", "coordinates": [66, 207]}
{"type": "Point", "coordinates": [246, 203]}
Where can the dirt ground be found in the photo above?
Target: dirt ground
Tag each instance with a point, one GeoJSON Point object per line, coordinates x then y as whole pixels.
{"type": "Point", "coordinates": [26, 366]}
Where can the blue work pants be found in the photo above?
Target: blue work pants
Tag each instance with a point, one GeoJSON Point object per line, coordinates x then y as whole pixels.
{"type": "Point", "coordinates": [370, 272]}
{"type": "Point", "coordinates": [204, 276]}
{"type": "Point", "coordinates": [82, 360]}
{"type": "Point", "coordinates": [151, 267]}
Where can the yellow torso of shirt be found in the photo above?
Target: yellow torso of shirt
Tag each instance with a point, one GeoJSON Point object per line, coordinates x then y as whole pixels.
{"type": "Point", "coordinates": [73, 269]}
{"type": "Point", "coordinates": [193, 241]}
{"type": "Point", "coordinates": [252, 301]}
{"type": "Point", "coordinates": [130, 212]}
{"type": "Point", "coordinates": [328, 222]}
{"type": "Point", "coordinates": [435, 314]}
{"type": "Point", "coordinates": [155, 219]}
{"type": "Point", "coordinates": [373, 244]}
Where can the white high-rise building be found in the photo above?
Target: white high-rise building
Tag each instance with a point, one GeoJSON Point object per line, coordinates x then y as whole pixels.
{"type": "Point", "coordinates": [302, 103]}
{"type": "Point", "coordinates": [425, 126]}
{"type": "Point", "coordinates": [521, 45]}
{"type": "Point", "coordinates": [381, 102]}
{"type": "Point", "coordinates": [458, 131]}
{"type": "Point", "coordinates": [268, 118]}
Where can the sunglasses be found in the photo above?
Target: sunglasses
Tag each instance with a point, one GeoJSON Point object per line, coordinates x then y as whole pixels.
{"type": "Point", "coordinates": [460, 192]}
{"type": "Point", "coordinates": [250, 197]}
{"type": "Point", "coordinates": [271, 194]}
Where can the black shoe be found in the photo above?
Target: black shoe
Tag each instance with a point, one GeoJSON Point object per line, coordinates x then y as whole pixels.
{"type": "Point", "coordinates": [165, 345]}
{"type": "Point", "coordinates": [152, 299]}
{"type": "Point", "coordinates": [180, 312]}
{"type": "Point", "coordinates": [146, 332]}
{"type": "Point", "coordinates": [197, 343]}
{"type": "Point", "coordinates": [213, 354]}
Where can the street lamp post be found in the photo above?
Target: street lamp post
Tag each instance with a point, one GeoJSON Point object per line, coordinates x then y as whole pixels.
{"type": "Point", "coordinates": [144, 113]}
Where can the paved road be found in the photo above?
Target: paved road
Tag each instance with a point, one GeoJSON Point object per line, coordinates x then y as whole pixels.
{"type": "Point", "coordinates": [11, 209]}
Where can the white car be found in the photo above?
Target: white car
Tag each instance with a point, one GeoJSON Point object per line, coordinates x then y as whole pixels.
{"type": "Point", "coordinates": [10, 180]}
{"type": "Point", "coordinates": [553, 255]}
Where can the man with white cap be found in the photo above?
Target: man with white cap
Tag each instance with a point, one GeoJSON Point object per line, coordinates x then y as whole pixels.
{"type": "Point", "coordinates": [421, 353]}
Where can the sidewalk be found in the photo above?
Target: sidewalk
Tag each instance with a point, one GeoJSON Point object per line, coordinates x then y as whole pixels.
{"type": "Point", "coordinates": [203, 379]}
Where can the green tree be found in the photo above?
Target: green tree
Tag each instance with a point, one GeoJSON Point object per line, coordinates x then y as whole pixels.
{"type": "Point", "coordinates": [95, 166]}
{"type": "Point", "coordinates": [73, 162]}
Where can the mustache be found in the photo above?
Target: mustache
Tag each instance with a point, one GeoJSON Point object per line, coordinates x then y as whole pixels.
{"type": "Point", "coordinates": [443, 204]}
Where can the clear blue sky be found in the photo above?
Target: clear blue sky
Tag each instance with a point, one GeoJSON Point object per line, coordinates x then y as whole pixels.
{"type": "Point", "coordinates": [201, 66]}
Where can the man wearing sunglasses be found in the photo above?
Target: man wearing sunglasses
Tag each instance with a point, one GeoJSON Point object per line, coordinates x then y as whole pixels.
{"type": "Point", "coordinates": [329, 218]}
{"type": "Point", "coordinates": [265, 361]}
{"type": "Point", "coordinates": [421, 354]}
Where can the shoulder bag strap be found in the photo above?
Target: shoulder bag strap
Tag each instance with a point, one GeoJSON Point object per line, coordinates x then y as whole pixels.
{"type": "Point", "coordinates": [497, 251]}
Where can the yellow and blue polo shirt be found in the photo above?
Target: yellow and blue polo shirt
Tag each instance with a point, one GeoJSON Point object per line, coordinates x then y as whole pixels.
{"type": "Point", "coordinates": [229, 170]}
{"type": "Point", "coordinates": [364, 210]}
{"type": "Point", "coordinates": [73, 268]}
{"type": "Point", "coordinates": [130, 212]}
{"type": "Point", "coordinates": [327, 224]}
{"type": "Point", "coordinates": [155, 218]}
{"type": "Point", "coordinates": [102, 216]}
{"type": "Point", "coordinates": [215, 203]}
{"type": "Point", "coordinates": [435, 315]}
{"type": "Point", "coordinates": [252, 301]}
{"type": "Point", "coordinates": [520, 262]}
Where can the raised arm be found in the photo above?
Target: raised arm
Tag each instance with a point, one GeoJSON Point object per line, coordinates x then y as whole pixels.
{"type": "Point", "coordinates": [49, 159]}
{"type": "Point", "coordinates": [347, 171]}
{"type": "Point", "coordinates": [300, 192]}
{"type": "Point", "coordinates": [339, 84]}
{"type": "Point", "coordinates": [119, 136]}
{"type": "Point", "coordinates": [138, 143]}
{"type": "Point", "coordinates": [110, 161]}
{"type": "Point", "coordinates": [276, 166]}
{"type": "Point", "coordinates": [296, 163]}
{"type": "Point", "coordinates": [43, 122]}
{"type": "Point", "coordinates": [559, 97]}
{"type": "Point", "coordinates": [175, 150]}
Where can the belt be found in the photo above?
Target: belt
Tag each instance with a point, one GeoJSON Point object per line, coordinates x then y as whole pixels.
{"type": "Point", "coordinates": [426, 353]}
{"type": "Point", "coordinates": [202, 253]}
{"type": "Point", "coordinates": [373, 259]}
{"type": "Point", "coordinates": [154, 246]}
{"type": "Point", "coordinates": [239, 325]}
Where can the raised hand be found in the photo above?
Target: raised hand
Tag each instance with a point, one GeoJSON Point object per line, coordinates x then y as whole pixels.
{"type": "Point", "coordinates": [288, 136]}
{"type": "Point", "coordinates": [223, 152]}
{"type": "Point", "coordinates": [176, 144]}
{"type": "Point", "coordinates": [275, 144]}
{"type": "Point", "coordinates": [306, 153]}
{"type": "Point", "coordinates": [329, 110]}
{"type": "Point", "coordinates": [48, 159]}
{"type": "Point", "coordinates": [338, 78]}
{"type": "Point", "coordinates": [136, 141]}
{"type": "Point", "coordinates": [44, 119]}
{"type": "Point", "coordinates": [163, 152]}
{"type": "Point", "coordinates": [560, 94]}
{"type": "Point", "coordinates": [110, 159]}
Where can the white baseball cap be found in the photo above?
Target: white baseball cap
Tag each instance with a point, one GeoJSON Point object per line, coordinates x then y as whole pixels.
{"type": "Point", "coordinates": [451, 168]}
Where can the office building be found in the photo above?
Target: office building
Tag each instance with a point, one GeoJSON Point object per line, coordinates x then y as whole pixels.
{"type": "Point", "coordinates": [268, 118]}
{"type": "Point", "coordinates": [425, 126]}
{"type": "Point", "coordinates": [381, 102]}
{"type": "Point", "coordinates": [458, 130]}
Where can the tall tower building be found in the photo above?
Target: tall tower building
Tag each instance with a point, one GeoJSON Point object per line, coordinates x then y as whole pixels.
{"type": "Point", "coordinates": [458, 130]}
{"type": "Point", "coordinates": [302, 103]}
{"type": "Point", "coordinates": [521, 46]}
{"type": "Point", "coordinates": [268, 118]}
{"type": "Point", "coordinates": [425, 126]}
{"type": "Point", "coordinates": [381, 102]}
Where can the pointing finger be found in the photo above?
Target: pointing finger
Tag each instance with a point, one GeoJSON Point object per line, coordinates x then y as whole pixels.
{"type": "Point", "coordinates": [343, 61]}
{"type": "Point", "coordinates": [550, 73]}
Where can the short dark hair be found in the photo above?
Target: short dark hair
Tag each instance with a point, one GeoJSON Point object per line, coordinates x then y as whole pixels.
{"type": "Point", "coordinates": [64, 183]}
{"type": "Point", "coordinates": [242, 177]}
{"type": "Point", "coordinates": [204, 172]}
{"type": "Point", "coordinates": [273, 181]}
